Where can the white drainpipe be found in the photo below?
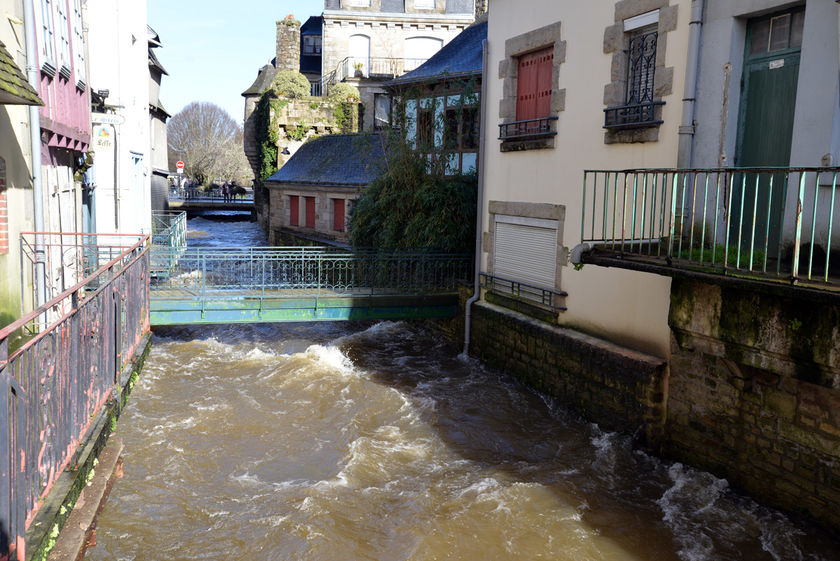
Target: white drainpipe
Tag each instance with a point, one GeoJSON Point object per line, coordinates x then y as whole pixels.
{"type": "Point", "coordinates": [685, 154]}
{"type": "Point", "coordinates": [35, 147]}
{"type": "Point", "coordinates": [485, 50]}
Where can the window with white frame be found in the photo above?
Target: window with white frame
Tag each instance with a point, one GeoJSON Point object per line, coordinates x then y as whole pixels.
{"type": "Point", "coordinates": [78, 45]}
{"type": "Point", "coordinates": [63, 39]}
{"type": "Point", "coordinates": [46, 38]}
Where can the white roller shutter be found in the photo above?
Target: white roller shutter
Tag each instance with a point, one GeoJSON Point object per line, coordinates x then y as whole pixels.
{"type": "Point", "coordinates": [525, 250]}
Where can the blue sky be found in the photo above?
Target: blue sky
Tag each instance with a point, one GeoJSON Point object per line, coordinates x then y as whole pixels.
{"type": "Point", "coordinates": [212, 49]}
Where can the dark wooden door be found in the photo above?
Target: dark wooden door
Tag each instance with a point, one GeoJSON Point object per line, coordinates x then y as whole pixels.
{"type": "Point", "coordinates": [768, 101]}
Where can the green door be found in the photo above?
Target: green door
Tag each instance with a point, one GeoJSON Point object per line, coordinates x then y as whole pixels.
{"type": "Point", "coordinates": [768, 99]}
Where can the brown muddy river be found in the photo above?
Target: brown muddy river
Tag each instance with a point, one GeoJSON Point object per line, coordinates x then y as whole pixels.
{"type": "Point", "coordinates": [377, 442]}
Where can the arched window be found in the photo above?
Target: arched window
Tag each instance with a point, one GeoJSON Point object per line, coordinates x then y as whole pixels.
{"type": "Point", "coordinates": [359, 54]}
{"type": "Point", "coordinates": [420, 49]}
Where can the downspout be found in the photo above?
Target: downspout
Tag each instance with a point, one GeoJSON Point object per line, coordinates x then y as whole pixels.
{"type": "Point", "coordinates": [35, 148]}
{"type": "Point", "coordinates": [685, 153]}
{"type": "Point", "coordinates": [485, 51]}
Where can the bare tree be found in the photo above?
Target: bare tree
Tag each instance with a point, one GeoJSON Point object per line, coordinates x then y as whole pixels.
{"type": "Point", "coordinates": [207, 139]}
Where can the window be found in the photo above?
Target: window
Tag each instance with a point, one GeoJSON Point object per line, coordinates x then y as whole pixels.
{"type": "Point", "coordinates": [338, 214]}
{"type": "Point", "coordinates": [469, 129]}
{"type": "Point", "coordinates": [311, 45]}
{"type": "Point", "coordinates": [78, 45]}
{"type": "Point", "coordinates": [639, 108]}
{"type": "Point", "coordinates": [294, 210]}
{"type": "Point", "coordinates": [531, 96]}
{"type": "Point", "coordinates": [777, 33]}
{"type": "Point", "coordinates": [420, 49]}
{"type": "Point", "coordinates": [425, 129]}
{"type": "Point", "coordinates": [533, 88]}
{"type": "Point", "coordinates": [310, 212]}
{"type": "Point", "coordinates": [46, 38]}
{"type": "Point", "coordinates": [381, 111]}
{"type": "Point", "coordinates": [63, 28]}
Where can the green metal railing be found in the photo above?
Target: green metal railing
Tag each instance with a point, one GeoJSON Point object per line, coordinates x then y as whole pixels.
{"type": "Point", "coordinates": [169, 240]}
{"type": "Point", "coordinates": [220, 285]}
{"type": "Point", "coordinates": [755, 222]}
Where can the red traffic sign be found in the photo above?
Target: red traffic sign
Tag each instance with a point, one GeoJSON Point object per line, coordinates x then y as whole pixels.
{"type": "Point", "coordinates": [180, 166]}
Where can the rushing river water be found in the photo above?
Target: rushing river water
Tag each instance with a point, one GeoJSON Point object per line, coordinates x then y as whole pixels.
{"type": "Point", "coordinates": [347, 441]}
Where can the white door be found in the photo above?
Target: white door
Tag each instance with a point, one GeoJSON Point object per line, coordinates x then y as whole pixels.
{"type": "Point", "coordinates": [359, 54]}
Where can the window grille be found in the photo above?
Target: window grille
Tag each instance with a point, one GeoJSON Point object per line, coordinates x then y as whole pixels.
{"type": "Point", "coordinates": [639, 107]}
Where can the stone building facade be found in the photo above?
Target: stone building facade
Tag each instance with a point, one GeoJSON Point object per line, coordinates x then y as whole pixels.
{"type": "Point", "coordinates": [368, 42]}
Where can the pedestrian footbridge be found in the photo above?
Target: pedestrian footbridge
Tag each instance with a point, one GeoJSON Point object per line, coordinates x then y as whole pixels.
{"type": "Point", "coordinates": [285, 284]}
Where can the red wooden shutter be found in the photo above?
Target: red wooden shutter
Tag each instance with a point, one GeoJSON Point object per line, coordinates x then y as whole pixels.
{"type": "Point", "coordinates": [533, 84]}
{"type": "Point", "coordinates": [294, 210]}
{"type": "Point", "coordinates": [310, 212]}
{"type": "Point", "coordinates": [338, 215]}
{"type": "Point", "coordinates": [545, 69]}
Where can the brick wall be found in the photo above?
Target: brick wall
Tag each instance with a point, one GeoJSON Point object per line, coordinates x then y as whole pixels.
{"type": "Point", "coordinates": [754, 393]}
{"type": "Point", "coordinates": [618, 388]}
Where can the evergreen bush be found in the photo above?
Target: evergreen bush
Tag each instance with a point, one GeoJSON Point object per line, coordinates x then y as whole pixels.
{"type": "Point", "coordinates": [290, 84]}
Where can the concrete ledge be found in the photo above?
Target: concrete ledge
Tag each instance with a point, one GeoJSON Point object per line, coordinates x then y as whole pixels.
{"type": "Point", "coordinates": [76, 534]}
{"type": "Point", "coordinates": [52, 516]}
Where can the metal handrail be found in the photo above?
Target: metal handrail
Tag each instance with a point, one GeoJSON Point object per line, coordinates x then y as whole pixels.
{"type": "Point", "coordinates": [523, 291]}
{"type": "Point", "coordinates": [754, 222]}
{"type": "Point", "coordinates": [527, 128]}
{"type": "Point", "coordinates": [632, 115]}
{"type": "Point", "coordinates": [57, 382]}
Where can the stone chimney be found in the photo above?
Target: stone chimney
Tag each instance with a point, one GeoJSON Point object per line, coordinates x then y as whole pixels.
{"type": "Point", "coordinates": [288, 44]}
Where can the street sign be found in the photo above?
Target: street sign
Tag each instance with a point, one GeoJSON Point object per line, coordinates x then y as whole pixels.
{"type": "Point", "coordinates": [180, 166]}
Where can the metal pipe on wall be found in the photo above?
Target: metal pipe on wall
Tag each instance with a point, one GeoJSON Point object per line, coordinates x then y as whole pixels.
{"type": "Point", "coordinates": [485, 53]}
{"type": "Point", "coordinates": [685, 153]}
{"type": "Point", "coordinates": [35, 147]}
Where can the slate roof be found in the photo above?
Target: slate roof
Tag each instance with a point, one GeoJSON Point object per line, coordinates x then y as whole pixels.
{"type": "Point", "coordinates": [460, 57]}
{"type": "Point", "coordinates": [155, 63]}
{"type": "Point", "coordinates": [338, 159]}
{"type": "Point", "coordinates": [14, 88]}
{"type": "Point", "coordinates": [264, 78]}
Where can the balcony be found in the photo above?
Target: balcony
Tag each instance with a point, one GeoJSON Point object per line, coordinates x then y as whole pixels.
{"type": "Point", "coordinates": [527, 129]}
{"type": "Point", "coordinates": [772, 225]}
{"type": "Point", "coordinates": [638, 115]}
{"type": "Point", "coordinates": [373, 67]}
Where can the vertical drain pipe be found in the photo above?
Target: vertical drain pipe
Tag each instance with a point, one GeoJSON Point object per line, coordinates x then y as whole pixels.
{"type": "Point", "coordinates": [685, 153]}
{"type": "Point", "coordinates": [485, 50]}
{"type": "Point", "coordinates": [35, 147]}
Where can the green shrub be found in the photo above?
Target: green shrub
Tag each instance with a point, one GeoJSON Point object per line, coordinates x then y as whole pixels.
{"type": "Point", "coordinates": [343, 92]}
{"type": "Point", "coordinates": [290, 84]}
{"type": "Point", "coordinates": [406, 206]}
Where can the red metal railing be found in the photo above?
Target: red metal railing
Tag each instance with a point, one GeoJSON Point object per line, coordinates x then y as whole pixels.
{"type": "Point", "coordinates": [52, 387]}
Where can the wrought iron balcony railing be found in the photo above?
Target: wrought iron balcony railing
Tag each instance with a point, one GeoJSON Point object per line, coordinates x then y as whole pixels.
{"type": "Point", "coordinates": [637, 115]}
{"type": "Point", "coordinates": [761, 223]}
{"type": "Point", "coordinates": [520, 291]}
{"type": "Point", "coordinates": [527, 129]}
{"type": "Point", "coordinates": [374, 67]}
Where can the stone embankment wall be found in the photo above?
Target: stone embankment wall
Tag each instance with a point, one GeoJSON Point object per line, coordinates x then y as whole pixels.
{"type": "Point", "coordinates": [755, 393]}
{"type": "Point", "coordinates": [618, 388]}
{"type": "Point", "coordinates": [751, 391]}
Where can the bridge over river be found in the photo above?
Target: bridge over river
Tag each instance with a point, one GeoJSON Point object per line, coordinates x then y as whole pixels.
{"type": "Point", "coordinates": [282, 284]}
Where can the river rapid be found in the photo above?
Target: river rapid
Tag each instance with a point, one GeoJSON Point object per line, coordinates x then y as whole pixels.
{"type": "Point", "coordinates": [351, 441]}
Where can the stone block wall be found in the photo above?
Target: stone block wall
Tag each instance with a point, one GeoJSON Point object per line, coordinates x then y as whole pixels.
{"type": "Point", "coordinates": [754, 393]}
{"type": "Point", "coordinates": [618, 388]}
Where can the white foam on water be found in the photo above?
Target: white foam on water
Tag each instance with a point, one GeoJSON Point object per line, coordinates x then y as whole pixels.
{"type": "Point", "coordinates": [688, 506]}
{"type": "Point", "coordinates": [246, 478]}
